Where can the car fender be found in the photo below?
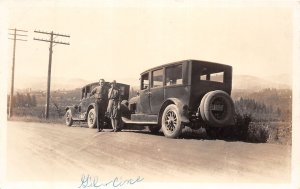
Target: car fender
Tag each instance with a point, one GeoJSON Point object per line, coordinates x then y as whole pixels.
{"type": "Point", "coordinates": [72, 110]}
{"type": "Point", "coordinates": [183, 108]}
{"type": "Point", "coordinates": [92, 105]}
{"type": "Point", "coordinates": [134, 100]}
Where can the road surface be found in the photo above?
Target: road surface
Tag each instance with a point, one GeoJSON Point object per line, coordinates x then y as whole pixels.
{"type": "Point", "coordinates": [54, 152]}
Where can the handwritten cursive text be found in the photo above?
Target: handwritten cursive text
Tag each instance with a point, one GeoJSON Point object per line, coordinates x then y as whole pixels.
{"type": "Point", "coordinates": [88, 181]}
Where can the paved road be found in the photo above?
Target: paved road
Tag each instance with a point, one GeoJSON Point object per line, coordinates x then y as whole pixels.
{"type": "Point", "coordinates": [53, 152]}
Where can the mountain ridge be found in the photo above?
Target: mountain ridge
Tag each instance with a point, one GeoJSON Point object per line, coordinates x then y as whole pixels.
{"type": "Point", "coordinates": [243, 82]}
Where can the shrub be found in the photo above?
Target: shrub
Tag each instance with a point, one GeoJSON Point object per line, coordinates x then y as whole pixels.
{"type": "Point", "coordinates": [258, 132]}
{"type": "Point", "coordinates": [246, 130]}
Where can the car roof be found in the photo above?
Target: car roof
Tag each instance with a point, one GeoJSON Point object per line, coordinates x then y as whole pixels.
{"type": "Point", "coordinates": [185, 61]}
{"type": "Point", "coordinates": [97, 83]}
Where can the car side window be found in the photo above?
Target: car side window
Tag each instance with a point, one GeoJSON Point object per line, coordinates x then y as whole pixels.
{"type": "Point", "coordinates": [83, 94]}
{"type": "Point", "coordinates": [212, 75]}
{"type": "Point", "coordinates": [145, 81]}
{"type": "Point", "coordinates": [173, 75]}
{"type": "Point", "coordinates": [157, 78]}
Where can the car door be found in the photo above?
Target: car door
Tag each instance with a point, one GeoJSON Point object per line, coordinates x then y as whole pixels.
{"type": "Point", "coordinates": [82, 105]}
{"type": "Point", "coordinates": [156, 92]}
{"type": "Point", "coordinates": [86, 101]}
{"type": "Point", "coordinates": [143, 106]}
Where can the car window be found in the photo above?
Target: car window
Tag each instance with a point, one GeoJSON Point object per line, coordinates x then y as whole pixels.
{"type": "Point", "coordinates": [174, 75]}
{"type": "Point", "coordinates": [145, 81]}
{"type": "Point", "coordinates": [210, 75]}
{"type": "Point", "coordinates": [157, 78]}
{"type": "Point", "coordinates": [83, 93]}
{"type": "Point", "coordinates": [122, 90]}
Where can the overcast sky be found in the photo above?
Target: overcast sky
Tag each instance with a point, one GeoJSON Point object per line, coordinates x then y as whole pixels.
{"type": "Point", "coordinates": [120, 39]}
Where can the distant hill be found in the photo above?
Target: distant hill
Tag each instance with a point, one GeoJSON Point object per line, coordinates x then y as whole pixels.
{"type": "Point", "coordinates": [255, 83]}
{"type": "Point", "coordinates": [39, 83]}
{"type": "Point", "coordinates": [243, 82]}
{"type": "Point", "coordinates": [275, 100]}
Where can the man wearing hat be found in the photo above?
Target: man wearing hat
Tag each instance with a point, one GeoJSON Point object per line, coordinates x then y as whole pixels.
{"type": "Point", "coordinates": [100, 93]}
{"type": "Point", "coordinates": [113, 107]}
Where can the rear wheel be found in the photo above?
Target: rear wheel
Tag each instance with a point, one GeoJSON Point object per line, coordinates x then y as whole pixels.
{"type": "Point", "coordinates": [69, 120]}
{"type": "Point", "coordinates": [92, 118]}
{"type": "Point", "coordinates": [171, 122]}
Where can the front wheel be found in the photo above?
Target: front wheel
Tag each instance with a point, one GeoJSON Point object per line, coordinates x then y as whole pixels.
{"type": "Point", "coordinates": [92, 118]}
{"type": "Point", "coordinates": [69, 120]}
{"type": "Point", "coordinates": [171, 122]}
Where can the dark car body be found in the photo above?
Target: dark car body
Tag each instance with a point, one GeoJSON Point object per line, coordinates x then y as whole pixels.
{"type": "Point", "coordinates": [183, 84]}
{"type": "Point", "coordinates": [79, 112]}
{"type": "Point", "coordinates": [190, 91]}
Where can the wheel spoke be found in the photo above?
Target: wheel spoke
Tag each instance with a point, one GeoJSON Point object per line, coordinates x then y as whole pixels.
{"type": "Point", "coordinates": [171, 122]}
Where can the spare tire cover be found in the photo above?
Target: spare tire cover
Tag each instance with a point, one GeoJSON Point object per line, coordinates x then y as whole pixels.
{"type": "Point", "coordinates": [201, 107]}
{"type": "Point", "coordinates": [217, 108]}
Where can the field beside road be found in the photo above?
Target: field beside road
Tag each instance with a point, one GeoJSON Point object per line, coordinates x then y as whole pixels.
{"type": "Point", "coordinates": [55, 152]}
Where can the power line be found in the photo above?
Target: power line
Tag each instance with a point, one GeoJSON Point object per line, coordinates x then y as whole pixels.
{"type": "Point", "coordinates": [57, 34]}
{"type": "Point", "coordinates": [15, 34]}
{"type": "Point", "coordinates": [51, 41]}
{"type": "Point", "coordinates": [17, 30]}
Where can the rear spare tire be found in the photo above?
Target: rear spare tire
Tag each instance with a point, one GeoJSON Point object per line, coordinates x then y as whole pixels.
{"type": "Point", "coordinates": [217, 109]}
{"type": "Point", "coordinates": [201, 107]}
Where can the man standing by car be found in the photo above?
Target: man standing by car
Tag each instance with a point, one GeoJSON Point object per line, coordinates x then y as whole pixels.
{"type": "Point", "coordinates": [113, 107]}
{"type": "Point", "coordinates": [100, 93]}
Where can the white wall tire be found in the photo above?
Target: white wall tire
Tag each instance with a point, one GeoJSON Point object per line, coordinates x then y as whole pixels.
{"type": "Point", "coordinates": [171, 122]}
{"type": "Point", "coordinates": [92, 119]}
{"type": "Point", "coordinates": [69, 119]}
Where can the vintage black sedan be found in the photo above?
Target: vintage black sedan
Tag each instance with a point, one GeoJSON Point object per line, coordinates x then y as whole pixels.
{"type": "Point", "coordinates": [185, 93]}
{"type": "Point", "coordinates": [84, 111]}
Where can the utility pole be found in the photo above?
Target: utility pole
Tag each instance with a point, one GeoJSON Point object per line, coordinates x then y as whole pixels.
{"type": "Point", "coordinates": [11, 98]}
{"type": "Point", "coordinates": [51, 41]}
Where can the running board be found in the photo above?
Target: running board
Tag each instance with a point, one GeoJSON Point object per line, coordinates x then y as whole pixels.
{"type": "Point", "coordinates": [129, 121]}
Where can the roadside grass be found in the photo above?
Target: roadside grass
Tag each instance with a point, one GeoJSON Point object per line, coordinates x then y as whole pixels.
{"type": "Point", "coordinates": [259, 131]}
{"type": "Point", "coordinates": [37, 114]}
{"type": "Point", "coordinates": [278, 132]}
{"type": "Point", "coordinates": [248, 131]}
{"type": "Point", "coordinates": [37, 119]}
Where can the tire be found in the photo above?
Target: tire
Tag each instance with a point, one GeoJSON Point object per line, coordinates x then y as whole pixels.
{"type": "Point", "coordinates": [218, 118]}
{"type": "Point", "coordinates": [154, 129]}
{"type": "Point", "coordinates": [69, 120]}
{"type": "Point", "coordinates": [171, 122]}
{"type": "Point", "coordinates": [92, 119]}
{"type": "Point", "coordinates": [202, 107]}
